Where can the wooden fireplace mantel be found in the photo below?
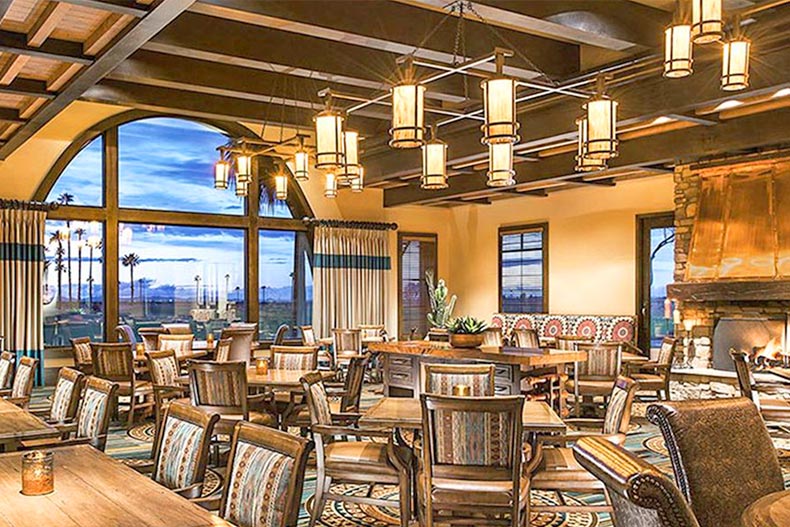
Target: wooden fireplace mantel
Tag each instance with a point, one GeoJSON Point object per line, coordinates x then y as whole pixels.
{"type": "Point", "coordinates": [730, 290]}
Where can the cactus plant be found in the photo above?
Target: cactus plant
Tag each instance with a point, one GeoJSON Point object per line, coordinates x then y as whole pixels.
{"type": "Point", "coordinates": [467, 326]}
{"type": "Point", "coordinates": [441, 308]}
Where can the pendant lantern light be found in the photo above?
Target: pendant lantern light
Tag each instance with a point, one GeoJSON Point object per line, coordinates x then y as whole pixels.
{"type": "Point", "coordinates": [500, 165]}
{"type": "Point", "coordinates": [677, 51]}
{"type": "Point", "coordinates": [221, 171]}
{"type": "Point", "coordinates": [583, 162]}
{"type": "Point", "coordinates": [434, 164]}
{"type": "Point", "coordinates": [281, 186]}
{"type": "Point", "coordinates": [242, 187]}
{"type": "Point", "coordinates": [707, 25]}
{"type": "Point", "coordinates": [499, 104]}
{"type": "Point", "coordinates": [243, 167]}
{"type": "Point", "coordinates": [735, 60]}
{"type": "Point", "coordinates": [601, 138]}
{"type": "Point", "coordinates": [329, 137]}
{"type": "Point", "coordinates": [330, 187]}
{"type": "Point", "coordinates": [358, 182]}
{"type": "Point", "coordinates": [350, 168]}
{"type": "Point", "coordinates": [301, 162]}
{"type": "Point", "coordinates": [408, 112]}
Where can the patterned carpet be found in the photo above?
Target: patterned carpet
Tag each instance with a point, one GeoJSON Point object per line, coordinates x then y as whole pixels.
{"type": "Point", "coordinates": [643, 439]}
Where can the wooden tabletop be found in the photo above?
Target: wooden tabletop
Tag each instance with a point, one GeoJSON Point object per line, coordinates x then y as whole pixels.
{"type": "Point", "coordinates": [772, 510]}
{"type": "Point", "coordinates": [784, 373]}
{"type": "Point", "coordinates": [17, 424]}
{"type": "Point", "coordinates": [406, 412]}
{"type": "Point", "coordinates": [94, 490]}
{"type": "Point", "coordinates": [633, 357]}
{"type": "Point", "coordinates": [503, 355]}
{"type": "Point", "coordinates": [194, 354]}
{"type": "Point", "coordinates": [283, 380]}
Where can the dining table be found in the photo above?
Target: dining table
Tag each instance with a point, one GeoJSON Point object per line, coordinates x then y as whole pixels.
{"type": "Point", "coordinates": [281, 380]}
{"type": "Point", "coordinates": [94, 490]}
{"type": "Point", "coordinates": [772, 510]}
{"type": "Point", "coordinates": [18, 424]}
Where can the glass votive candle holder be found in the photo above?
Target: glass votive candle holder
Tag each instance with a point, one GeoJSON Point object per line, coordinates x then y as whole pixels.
{"type": "Point", "coordinates": [38, 473]}
{"type": "Point", "coordinates": [262, 366]}
{"type": "Point", "coordinates": [210, 340]}
{"type": "Point", "coordinates": [140, 349]}
{"type": "Point", "coordinates": [462, 390]}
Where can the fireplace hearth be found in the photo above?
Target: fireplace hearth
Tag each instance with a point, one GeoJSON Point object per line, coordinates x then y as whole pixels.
{"type": "Point", "coordinates": [763, 338]}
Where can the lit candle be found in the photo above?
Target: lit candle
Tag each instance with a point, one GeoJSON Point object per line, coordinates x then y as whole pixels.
{"type": "Point", "coordinates": [262, 366]}
{"type": "Point", "coordinates": [140, 348]}
{"type": "Point", "coordinates": [210, 340]}
{"type": "Point", "coordinates": [38, 475]}
{"type": "Point", "coordinates": [462, 390]}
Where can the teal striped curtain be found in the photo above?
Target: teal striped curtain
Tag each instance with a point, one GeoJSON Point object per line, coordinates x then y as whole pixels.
{"type": "Point", "coordinates": [350, 278]}
{"type": "Point", "coordinates": [21, 282]}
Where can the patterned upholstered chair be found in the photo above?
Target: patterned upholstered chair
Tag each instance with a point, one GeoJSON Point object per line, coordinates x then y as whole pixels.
{"type": "Point", "coordinates": [439, 379]}
{"type": "Point", "coordinates": [168, 384]}
{"type": "Point", "coordinates": [525, 338]}
{"type": "Point", "coordinates": [470, 479]}
{"type": "Point", "coordinates": [493, 337]}
{"type": "Point", "coordinates": [150, 337]}
{"type": "Point", "coordinates": [640, 494]}
{"type": "Point", "coordinates": [81, 352]}
{"type": "Point", "coordinates": [180, 343]}
{"type": "Point", "coordinates": [22, 387]}
{"type": "Point", "coordinates": [654, 376]}
{"type": "Point", "coordinates": [346, 344]}
{"type": "Point", "coordinates": [115, 362]}
{"type": "Point", "coordinates": [92, 422]}
{"type": "Point", "coordinates": [324, 353]}
{"type": "Point", "coordinates": [223, 350]}
{"type": "Point", "coordinates": [294, 357]}
{"type": "Point", "coordinates": [7, 361]}
{"type": "Point", "coordinates": [594, 377]}
{"type": "Point", "coordinates": [372, 333]}
{"type": "Point", "coordinates": [721, 454]}
{"type": "Point", "coordinates": [177, 329]}
{"type": "Point", "coordinates": [125, 333]}
{"type": "Point", "coordinates": [353, 462]}
{"type": "Point", "coordinates": [65, 397]}
{"type": "Point", "coordinates": [556, 469]}
{"type": "Point", "coordinates": [241, 342]}
{"type": "Point", "coordinates": [265, 478]}
{"type": "Point", "coordinates": [569, 342]}
{"type": "Point", "coordinates": [775, 411]}
{"type": "Point", "coordinates": [308, 336]}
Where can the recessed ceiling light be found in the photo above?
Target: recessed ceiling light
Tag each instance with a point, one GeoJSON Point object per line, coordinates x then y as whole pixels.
{"type": "Point", "coordinates": [784, 92]}
{"type": "Point", "coordinates": [662, 119]}
{"type": "Point", "coordinates": [726, 105]}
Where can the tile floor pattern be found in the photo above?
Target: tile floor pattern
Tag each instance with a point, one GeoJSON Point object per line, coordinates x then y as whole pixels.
{"type": "Point", "coordinates": [643, 439]}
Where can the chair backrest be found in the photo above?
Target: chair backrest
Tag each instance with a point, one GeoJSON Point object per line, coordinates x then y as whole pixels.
{"type": "Point", "coordinates": [113, 361]}
{"type": "Point", "coordinates": [618, 412]}
{"type": "Point", "coordinates": [294, 357]}
{"type": "Point", "coordinates": [150, 337]}
{"type": "Point", "coordinates": [666, 352]}
{"type": "Point", "coordinates": [241, 342]}
{"type": "Point", "coordinates": [352, 385]}
{"type": "Point", "coordinates": [493, 337]}
{"type": "Point", "coordinates": [439, 379]}
{"type": "Point", "coordinates": [219, 387]}
{"type": "Point", "coordinates": [7, 361]}
{"type": "Point", "coordinates": [24, 377]}
{"type": "Point", "coordinates": [492, 429]}
{"type": "Point", "coordinates": [177, 329]}
{"type": "Point", "coordinates": [182, 444]}
{"type": "Point", "coordinates": [603, 360]}
{"type": "Point", "coordinates": [639, 493]}
{"type": "Point", "coordinates": [279, 335]}
{"type": "Point", "coordinates": [744, 374]}
{"type": "Point", "coordinates": [163, 367]}
{"type": "Point", "coordinates": [308, 336]}
{"type": "Point", "coordinates": [265, 477]}
{"type": "Point", "coordinates": [569, 342]}
{"type": "Point", "coordinates": [721, 453]}
{"type": "Point", "coordinates": [66, 397]}
{"type": "Point", "coordinates": [317, 399]}
{"type": "Point", "coordinates": [525, 338]}
{"type": "Point", "coordinates": [180, 343]}
{"type": "Point", "coordinates": [81, 351]}
{"type": "Point", "coordinates": [223, 350]}
{"type": "Point", "coordinates": [372, 331]}
{"type": "Point", "coordinates": [125, 333]}
{"type": "Point", "coordinates": [347, 341]}
{"type": "Point", "coordinates": [93, 418]}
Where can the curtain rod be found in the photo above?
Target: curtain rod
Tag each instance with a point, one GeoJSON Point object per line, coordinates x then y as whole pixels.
{"type": "Point", "coordinates": [16, 204]}
{"type": "Point", "coordinates": [350, 224]}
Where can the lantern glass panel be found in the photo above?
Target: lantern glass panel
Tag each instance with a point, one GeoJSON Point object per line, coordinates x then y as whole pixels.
{"type": "Point", "coordinates": [500, 165]}
{"type": "Point", "coordinates": [241, 187]}
{"type": "Point", "coordinates": [707, 24]}
{"type": "Point", "coordinates": [358, 182]}
{"type": "Point", "coordinates": [735, 65]}
{"type": "Point", "coordinates": [221, 170]}
{"type": "Point", "coordinates": [677, 51]}
{"type": "Point", "coordinates": [408, 109]}
{"type": "Point", "coordinates": [243, 167]}
{"type": "Point", "coordinates": [330, 187]}
{"type": "Point", "coordinates": [601, 140]}
{"type": "Point", "coordinates": [301, 165]}
{"type": "Point", "coordinates": [499, 97]}
{"type": "Point", "coordinates": [329, 140]}
{"type": "Point", "coordinates": [281, 187]}
{"type": "Point", "coordinates": [434, 165]}
{"type": "Point", "coordinates": [351, 166]}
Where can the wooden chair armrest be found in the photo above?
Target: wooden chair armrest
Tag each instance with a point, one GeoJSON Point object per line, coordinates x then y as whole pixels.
{"type": "Point", "coordinates": [345, 418]}
{"type": "Point", "coordinates": [210, 504]}
{"type": "Point", "coordinates": [66, 428]}
{"type": "Point", "coordinates": [22, 402]}
{"type": "Point", "coordinates": [5, 392]}
{"type": "Point", "coordinates": [193, 491]}
{"type": "Point", "coordinates": [333, 430]}
{"type": "Point", "coordinates": [170, 391]}
{"type": "Point", "coordinates": [41, 413]}
{"type": "Point", "coordinates": [585, 423]}
{"type": "Point", "coordinates": [143, 468]}
{"type": "Point", "coordinates": [53, 443]}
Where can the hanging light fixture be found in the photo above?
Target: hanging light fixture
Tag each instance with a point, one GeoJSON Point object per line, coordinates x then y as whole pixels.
{"type": "Point", "coordinates": [735, 60]}
{"type": "Point", "coordinates": [408, 109]}
{"type": "Point", "coordinates": [583, 162]}
{"type": "Point", "coordinates": [243, 167]}
{"type": "Point", "coordinates": [351, 165]}
{"type": "Point", "coordinates": [242, 186]}
{"type": "Point", "coordinates": [500, 165]}
{"type": "Point", "coordinates": [329, 137]}
{"type": "Point", "coordinates": [281, 186]}
{"type": "Point", "coordinates": [706, 21]}
{"type": "Point", "coordinates": [601, 138]}
{"type": "Point", "coordinates": [301, 162]}
{"type": "Point", "coordinates": [499, 104]}
{"type": "Point", "coordinates": [358, 182]}
{"type": "Point", "coordinates": [434, 163]}
{"type": "Point", "coordinates": [678, 48]}
{"type": "Point", "coordinates": [221, 171]}
{"type": "Point", "coordinates": [330, 187]}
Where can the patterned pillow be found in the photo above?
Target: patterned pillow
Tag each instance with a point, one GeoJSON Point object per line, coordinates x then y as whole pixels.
{"type": "Point", "coordinates": [19, 389]}
{"type": "Point", "coordinates": [61, 399]}
{"type": "Point", "coordinates": [179, 454]}
{"type": "Point", "coordinates": [472, 438]}
{"type": "Point", "coordinates": [293, 361]}
{"type": "Point", "coordinates": [258, 484]}
{"type": "Point", "coordinates": [94, 404]}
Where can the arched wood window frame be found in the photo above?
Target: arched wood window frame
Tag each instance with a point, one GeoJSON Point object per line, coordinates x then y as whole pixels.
{"type": "Point", "coordinates": [111, 215]}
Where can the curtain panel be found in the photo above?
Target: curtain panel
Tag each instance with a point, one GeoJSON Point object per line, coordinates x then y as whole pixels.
{"type": "Point", "coordinates": [21, 282]}
{"type": "Point", "coordinates": [350, 278]}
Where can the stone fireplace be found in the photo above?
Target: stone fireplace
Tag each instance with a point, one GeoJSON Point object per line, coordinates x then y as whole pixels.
{"type": "Point", "coordinates": [732, 259]}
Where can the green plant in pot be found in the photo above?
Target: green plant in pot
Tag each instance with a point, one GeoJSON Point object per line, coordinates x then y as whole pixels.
{"type": "Point", "coordinates": [467, 332]}
{"type": "Point", "coordinates": [442, 305]}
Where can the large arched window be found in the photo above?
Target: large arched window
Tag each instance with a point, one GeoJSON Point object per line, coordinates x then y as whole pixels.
{"type": "Point", "coordinates": [142, 237]}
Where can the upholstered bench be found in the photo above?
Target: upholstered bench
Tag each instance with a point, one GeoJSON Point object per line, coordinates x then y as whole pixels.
{"type": "Point", "coordinates": [600, 328]}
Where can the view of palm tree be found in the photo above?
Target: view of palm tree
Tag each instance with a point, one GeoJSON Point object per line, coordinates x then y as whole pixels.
{"type": "Point", "coordinates": [131, 261]}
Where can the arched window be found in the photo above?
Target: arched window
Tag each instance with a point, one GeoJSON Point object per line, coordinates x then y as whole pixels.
{"type": "Point", "coordinates": [138, 209]}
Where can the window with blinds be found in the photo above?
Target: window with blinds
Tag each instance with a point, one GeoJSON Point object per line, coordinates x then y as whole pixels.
{"type": "Point", "coordinates": [523, 266]}
{"type": "Point", "coordinates": [417, 254]}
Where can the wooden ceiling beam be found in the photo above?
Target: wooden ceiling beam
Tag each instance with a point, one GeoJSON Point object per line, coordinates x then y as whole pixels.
{"type": "Point", "coordinates": [10, 115]}
{"type": "Point", "coordinates": [120, 7]}
{"type": "Point", "coordinates": [160, 15]}
{"type": "Point", "coordinates": [105, 33]}
{"type": "Point", "coordinates": [27, 87]}
{"type": "Point", "coordinates": [11, 68]}
{"type": "Point", "coordinates": [51, 49]}
{"type": "Point", "coordinates": [680, 146]}
{"type": "Point", "coordinates": [4, 6]}
{"type": "Point", "coordinates": [46, 23]}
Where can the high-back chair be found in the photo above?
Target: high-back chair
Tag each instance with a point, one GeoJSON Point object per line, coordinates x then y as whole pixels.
{"type": "Point", "coordinates": [353, 462]}
{"type": "Point", "coordinates": [166, 379]}
{"type": "Point", "coordinates": [7, 361]}
{"type": "Point", "coordinates": [115, 362]}
{"type": "Point", "coordinates": [66, 396]}
{"type": "Point", "coordinates": [595, 376]}
{"type": "Point", "coordinates": [493, 337]}
{"type": "Point", "coordinates": [653, 376]}
{"type": "Point", "coordinates": [241, 342]}
{"type": "Point", "coordinates": [182, 447]}
{"type": "Point", "coordinates": [470, 479]}
{"type": "Point", "coordinates": [177, 329]}
{"type": "Point", "coordinates": [24, 378]}
{"type": "Point", "coordinates": [308, 336]}
{"type": "Point", "coordinates": [125, 333]}
{"type": "Point", "coordinates": [569, 342]}
{"type": "Point", "coordinates": [775, 410]}
{"type": "Point", "coordinates": [178, 342]}
{"type": "Point", "coordinates": [223, 350]}
{"type": "Point", "coordinates": [279, 335]}
{"type": "Point", "coordinates": [346, 344]}
{"type": "Point", "coordinates": [81, 352]}
{"type": "Point", "coordinates": [294, 357]}
{"type": "Point", "coordinates": [721, 454]}
{"type": "Point", "coordinates": [525, 338]}
{"type": "Point", "coordinates": [150, 337]}
{"type": "Point", "coordinates": [372, 332]}
{"type": "Point", "coordinates": [640, 494]}
{"type": "Point", "coordinates": [439, 379]}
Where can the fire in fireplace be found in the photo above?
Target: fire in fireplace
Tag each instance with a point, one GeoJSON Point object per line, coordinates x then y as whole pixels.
{"type": "Point", "coordinates": [764, 339]}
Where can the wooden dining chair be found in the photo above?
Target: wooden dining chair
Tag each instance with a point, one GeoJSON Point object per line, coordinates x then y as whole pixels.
{"type": "Point", "coordinates": [125, 333]}
{"type": "Point", "coordinates": [653, 376]}
{"type": "Point", "coordinates": [569, 342]}
{"type": "Point", "coordinates": [525, 338]}
{"type": "Point", "coordinates": [223, 350]}
{"type": "Point", "coordinates": [178, 342]}
{"type": "Point", "coordinates": [279, 335]}
{"type": "Point", "coordinates": [7, 362]}
{"type": "Point", "coordinates": [294, 357]}
{"type": "Point", "coordinates": [340, 461]}
{"type": "Point", "coordinates": [472, 482]}
{"type": "Point", "coordinates": [22, 387]}
{"type": "Point", "coordinates": [372, 332]}
{"type": "Point", "coordinates": [81, 353]}
{"type": "Point", "coordinates": [325, 359]}
{"type": "Point", "coordinates": [242, 338]}
{"type": "Point", "coordinates": [308, 336]}
{"type": "Point", "coordinates": [115, 362]}
{"type": "Point", "coordinates": [265, 478]}
{"type": "Point", "coordinates": [166, 379]}
{"type": "Point", "coordinates": [641, 495]}
{"type": "Point", "coordinates": [177, 329]}
{"type": "Point", "coordinates": [774, 410]}
{"type": "Point", "coordinates": [493, 337]}
{"type": "Point", "coordinates": [65, 397]}
{"type": "Point", "coordinates": [346, 344]}
{"type": "Point", "coordinates": [150, 337]}
{"type": "Point", "coordinates": [595, 376]}
{"type": "Point", "coordinates": [439, 379]}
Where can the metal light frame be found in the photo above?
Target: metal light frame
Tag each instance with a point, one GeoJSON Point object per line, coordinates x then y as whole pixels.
{"type": "Point", "coordinates": [583, 162]}
{"type": "Point", "coordinates": [329, 151]}
{"type": "Point", "coordinates": [330, 186]}
{"type": "Point", "coordinates": [678, 51]}
{"type": "Point", "coordinates": [281, 186]}
{"type": "Point", "coordinates": [351, 166]}
{"type": "Point", "coordinates": [735, 59]}
{"type": "Point", "coordinates": [301, 162]}
{"type": "Point", "coordinates": [358, 183]}
{"type": "Point", "coordinates": [501, 125]}
{"type": "Point", "coordinates": [221, 174]}
{"type": "Point", "coordinates": [434, 164]}
{"type": "Point", "coordinates": [500, 165]}
{"type": "Point", "coordinates": [707, 24]}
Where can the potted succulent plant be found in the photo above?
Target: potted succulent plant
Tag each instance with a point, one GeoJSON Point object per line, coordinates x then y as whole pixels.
{"type": "Point", "coordinates": [442, 305]}
{"type": "Point", "coordinates": [467, 332]}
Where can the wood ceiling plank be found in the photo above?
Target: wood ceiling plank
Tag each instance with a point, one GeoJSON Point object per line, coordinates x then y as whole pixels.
{"type": "Point", "coordinates": [27, 87]}
{"type": "Point", "coordinates": [4, 6]}
{"type": "Point", "coordinates": [121, 7]}
{"type": "Point", "coordinates": [62, 75]}
{"type": "Point", "coordinates": [109, 29]}
{"type": "Point", "coordinates": [32, 107]}
{"type": "Point", "coordinates": [12, 67]}
{"type": "Point", "coordinates": [51, 49]}
{"type": "Point", "coordinates": [46, 23]}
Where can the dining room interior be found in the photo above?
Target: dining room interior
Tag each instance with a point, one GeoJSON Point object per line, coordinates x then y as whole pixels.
{"type": "Point", "coordinates": [348, 263]}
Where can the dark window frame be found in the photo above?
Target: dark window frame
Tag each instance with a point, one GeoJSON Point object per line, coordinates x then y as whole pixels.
{"type": "Point", "coordinates": [543, 227]}
{"type": "Point", "coordinates": [427, 236]}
